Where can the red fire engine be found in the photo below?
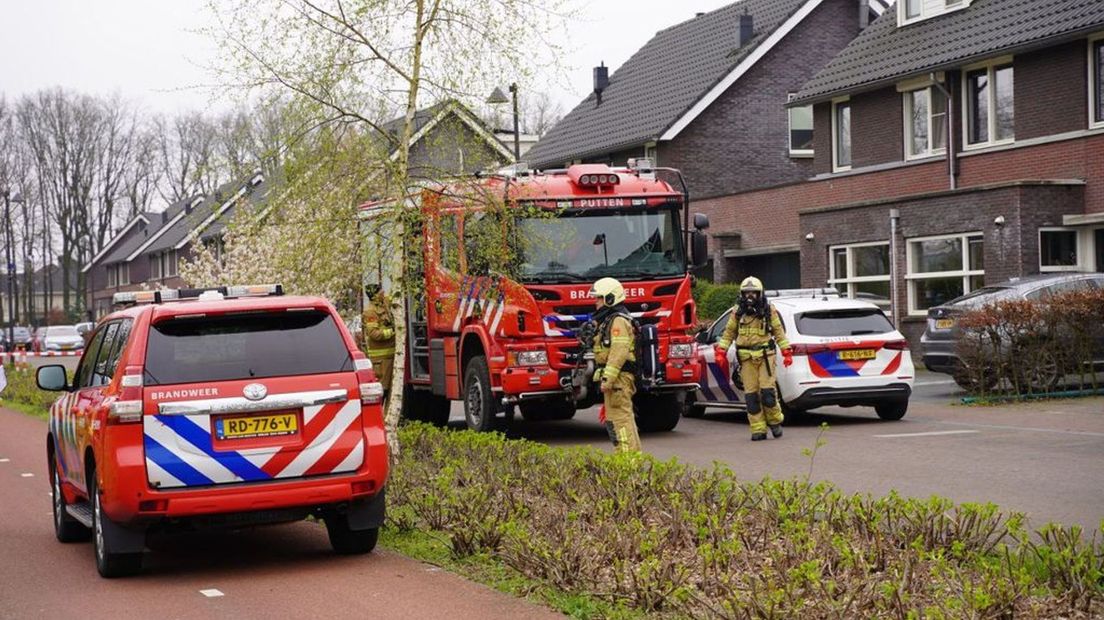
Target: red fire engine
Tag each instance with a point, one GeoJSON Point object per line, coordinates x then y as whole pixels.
{"type": "Point", "coordinates": [499, 342]}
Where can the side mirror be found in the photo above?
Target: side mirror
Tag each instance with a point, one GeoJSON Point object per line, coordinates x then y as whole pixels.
{"type": "Point", "coordinates": [52, 378]}
{"type": "Point", "coordinates": [699, 248]}
{"type": "Point", "coordinates": [701, 221]}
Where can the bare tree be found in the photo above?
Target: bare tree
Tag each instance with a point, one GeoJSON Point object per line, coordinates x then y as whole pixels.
{"type": "Point", "coordinates": [188, 158]}
{"type": "Point", "coordinates": [539, 112]}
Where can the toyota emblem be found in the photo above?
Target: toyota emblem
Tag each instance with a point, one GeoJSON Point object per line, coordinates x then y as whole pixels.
{"type": "Point", "coordinates": [255, 391]}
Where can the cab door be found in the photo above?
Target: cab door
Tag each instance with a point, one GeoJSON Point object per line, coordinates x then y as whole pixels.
{"type": "Point", "coordinates": [75, 426]}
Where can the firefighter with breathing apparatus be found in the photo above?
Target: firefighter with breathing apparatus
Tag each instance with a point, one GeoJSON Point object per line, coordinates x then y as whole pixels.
{"type": "Point", "coordinates": [756, 328]}
{"type": "Point", "coordinates": [379, 334]}
{"type": "Point", "coordinates": [615, 356]}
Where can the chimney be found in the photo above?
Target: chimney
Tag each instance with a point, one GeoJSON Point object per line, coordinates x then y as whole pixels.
{"type": "Point", "coordinates": [864, 14]}
{"type": "Point", "coordinates": [601, 81]}
{"type": "Point", "coordinates": [746, 30]}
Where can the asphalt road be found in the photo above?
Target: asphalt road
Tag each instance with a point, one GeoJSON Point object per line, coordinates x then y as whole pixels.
{"type": "Point", "coordinates": [1044, 459]}
{"type": "Point", "coordinates": [285, 571]}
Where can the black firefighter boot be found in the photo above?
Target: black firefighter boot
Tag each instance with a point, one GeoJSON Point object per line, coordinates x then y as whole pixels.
{"type": "Point", "coordinates": [776, 430]}
{"type": "Point", "coordinates": [758, 436]}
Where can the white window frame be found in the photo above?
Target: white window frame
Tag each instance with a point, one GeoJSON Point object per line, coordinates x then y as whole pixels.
{"type": "Point", "coordinates": [903, 16]}
{"type": "Point", "coordinates": [1079, 248]}
{"type": "Point", "coordinates": [851, 279]}
{"type": "Point", "coordinates": [990, 66]}
{"type": "Point", "coordinates": [965, 273]}
{"type": "Point", "coordinates": [906, 107]}
{"type": "Point", "coordinates": [797, 153]}
{"type": "Point", "coordinates": [112, 276]}
{"type": "Point", "coordinates": [171, 267]}
{"type": "Point", "coordinates": [1097, 39]}
{"type": "Point", "coordinates": [124, 274]}
{"type": "Point", "coordinates": [835, 134]}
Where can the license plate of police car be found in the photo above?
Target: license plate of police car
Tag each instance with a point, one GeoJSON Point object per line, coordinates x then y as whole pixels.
{"type": "Point", "coordinates": [858, 354]}
{"type": "Point", "coordinates": [271, 425]}
{"type": "Point", "coordinates": [944, 323]}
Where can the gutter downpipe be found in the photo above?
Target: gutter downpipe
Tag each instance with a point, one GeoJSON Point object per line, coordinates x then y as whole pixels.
{"type": "Point", "coordinates": [894, 217]}
{"type": "Point", "coordinates": [952, 159]}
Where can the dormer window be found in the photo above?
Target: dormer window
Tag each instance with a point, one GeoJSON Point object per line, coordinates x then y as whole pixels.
{"type": "Point", "coordinates": [911, 11]}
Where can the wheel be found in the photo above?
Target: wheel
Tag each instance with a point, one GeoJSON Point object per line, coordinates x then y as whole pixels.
{"type": "Point", "coordinates": [791, 413]}
{"type": "Point", "coordinates": [973, 381]}
{"type": "Point", "coordinates": [348, 541]}
{"type": "Point", "coordinates": [657, 413]}
{"type": "Point", "coordinates": [66, 528]}
{"type": "Point", "coordinates": [108, 563]}
{"type": "Point", "coordinates": [690, 409]}
{"type": "Point", "coordinates": [894, 410]}
{"type": "Point", "coordinates": [1043, 375]}
{"type": "Point", "coordinates": [547, 410]}
{"type": "Point", "coordinates": [424, 406]}
{"type": "Point", "coordinates": [479, 409]}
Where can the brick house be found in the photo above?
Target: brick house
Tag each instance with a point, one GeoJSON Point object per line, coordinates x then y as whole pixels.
{"type": "Point", "coordinates": [707, 96]}
{"type": "Point", "coordinates": [147, 252]}
{"type": "Point", "coordinates": [978, 124]}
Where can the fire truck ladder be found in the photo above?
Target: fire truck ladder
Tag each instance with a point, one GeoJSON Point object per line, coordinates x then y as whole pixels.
{"type": "Point", "coordinates": [418, 339]}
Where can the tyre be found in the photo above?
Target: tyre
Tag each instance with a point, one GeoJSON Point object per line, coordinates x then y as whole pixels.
{"type": "Point", "coordinates": [792, 413]}
{"type": "Point", "coordinates": [547, 410]}
{"type": "Point", "coordinates": [1043, 375]}
{"type": "Point", "coordinates": [657, 413]}
{"type": "Point", "coordinates": [479, 405]}
{"type": "Point", "coordinates": [347, 541]}
{"type": "Point", "coordinates": [436, 409]}
{"type": "Point", "coordinates": [66, 528]}
{"type": "Point", "coordinates": [893, 410]}
{"type": "Point", "coordinates": [690, 408]}
{"type": "Point", "coordinates": [109, 563]}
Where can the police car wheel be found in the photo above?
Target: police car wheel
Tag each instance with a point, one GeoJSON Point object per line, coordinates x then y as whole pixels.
{"type": "Point", "coordinates": [108, 563]}
{"type": "Point", "coordinates": [894, 410]}
{"type": "Point", "coordinates": [66, 528]}
{"type": "Point", "coordinates": [348, 541]}
{"type": "Point", "coordinates": [479, 409]}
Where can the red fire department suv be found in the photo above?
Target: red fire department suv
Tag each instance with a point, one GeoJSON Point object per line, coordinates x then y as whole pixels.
{"type": "Point", "coordinates": [224, 407]}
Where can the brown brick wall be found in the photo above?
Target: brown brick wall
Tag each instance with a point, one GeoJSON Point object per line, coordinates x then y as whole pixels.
{"type": "Point", "coordinates": [877, 128]}
{"type": "Point", "coordinates": [822, 138]}
{"type": "Point", "coordinates": [1051, 90]}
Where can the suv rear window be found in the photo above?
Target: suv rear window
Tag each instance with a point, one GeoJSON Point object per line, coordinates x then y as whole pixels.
{"type": "Point", "coordinates": [850, 322]}
{"type": "Point", "coordinates": [244, 346]}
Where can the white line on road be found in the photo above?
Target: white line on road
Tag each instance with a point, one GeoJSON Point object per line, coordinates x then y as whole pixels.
{"type": "Point", "coordinates": [5, 460]}
{"type": "Point", "coordinates": [27, 474]}
{"type": "Point", "coordinates": [212, 593]}
{"type": "Point", "coordinates": [1005, 427]}
{"type": "Point", "coordinates": [924, 383]}
{"type": "Point", "coordinates": [928, 434]}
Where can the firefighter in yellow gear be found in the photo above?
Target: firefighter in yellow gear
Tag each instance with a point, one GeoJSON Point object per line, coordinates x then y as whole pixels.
{"type": "Point", "coordinates": [379, 334]}
{"type": "Point", "coordinates": [615, 356]}
{"type": "Point", "coordinates": [756, 328]}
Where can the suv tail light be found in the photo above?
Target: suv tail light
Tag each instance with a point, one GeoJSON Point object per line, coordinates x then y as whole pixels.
{"type": "Point", "coordinates": [897, 345]}
{"type": "Point", "coordinates": [371, 390]}
{"type": "Point", "coordinates": [127, 408]}
{"type": "Point", "coordinates": [808, 349]}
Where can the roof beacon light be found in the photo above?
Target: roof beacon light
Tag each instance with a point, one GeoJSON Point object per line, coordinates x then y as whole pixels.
{"type": "Point", "coordinates": [593, 175]}
{"type": "Point", "coordinates": [131, 298]}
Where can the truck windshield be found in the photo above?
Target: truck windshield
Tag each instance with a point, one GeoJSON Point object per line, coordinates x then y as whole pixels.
{"type": "Point", "coordinates": [586, 245]}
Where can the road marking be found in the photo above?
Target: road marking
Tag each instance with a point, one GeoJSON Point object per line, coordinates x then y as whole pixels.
{"type": "Point", "coordinates": [212, 593]}
{"type": "Point", "coordinates": [1027, 429]}
{"type": "Point", "coordinates": [924, 383]}
{"type": "Point", "coordinates": [5, 460]}
{"type": "Point", "coordinates": [928, 434]}
{"type": "Point", "coordinates": [27, 474]}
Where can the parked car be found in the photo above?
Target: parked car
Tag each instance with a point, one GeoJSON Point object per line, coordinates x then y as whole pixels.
{"type": "Point", "coordinates": [239, 408]}
{"type": "Point", "coordinates": [940, 339]}
{"type": "Point", "coordinates": [59, 338]}
{"type": "Point", "coordinates": [85, 330]}
{"type": "Point", "coordinates": [22, 337]}
{"type": "Point", "coordinates": [846, 352]}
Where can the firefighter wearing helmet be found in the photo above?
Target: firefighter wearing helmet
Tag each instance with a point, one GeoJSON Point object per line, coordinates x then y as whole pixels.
{"type": "Point", "coordinates": [756, 328]}
{"type": "Point", "coordinates": [379, 334]}
{"type": "Point", "coordinates": [615, 356]}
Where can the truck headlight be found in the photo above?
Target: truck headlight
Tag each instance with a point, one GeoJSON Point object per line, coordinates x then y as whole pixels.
{"type": "Point", "coordinates": [680, 350]}
{"type": "Point", "coordinates": [529, 358]}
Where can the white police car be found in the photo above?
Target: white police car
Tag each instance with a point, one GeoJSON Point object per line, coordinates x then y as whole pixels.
{"type": "Point", "coordinates": [845, 351]}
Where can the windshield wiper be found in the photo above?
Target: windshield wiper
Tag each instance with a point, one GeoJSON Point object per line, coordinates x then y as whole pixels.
{"type": "Point", "coordinates": [570, 277]}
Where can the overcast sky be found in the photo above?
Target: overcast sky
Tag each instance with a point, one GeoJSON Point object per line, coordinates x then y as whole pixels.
{"type": "Point", "coordinates": [148, 50]}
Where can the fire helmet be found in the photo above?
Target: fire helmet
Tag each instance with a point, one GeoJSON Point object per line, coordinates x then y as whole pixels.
{"type": "Point", "coordinates": [608, 292]}
{"type": "Point", "coordinates": [751, 283]}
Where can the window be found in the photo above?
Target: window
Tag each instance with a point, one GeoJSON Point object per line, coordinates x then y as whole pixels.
{"type": "Point", "coordinates": [801, 130]}
{"type": "Point", "coordinates": [913, 8]}
{"type": "Point", "coordinates": [100, 374]}
{"type": "Point", "coordinates": [1057, 250]}
{"type": "Point", "coordinates": [83, 376]}
{"type": "Point", "coordinates": [925, 122]}
{"type": "Point", "coordinates": [861, 271]}
{"type": "Point", "coordinates": [170, 263]}
{"type": "Point", "coordinates": [841, 135]}
{"type": "Point", "coordinates": [1096, 83]}
{"type": "Point", "coordinates": [650, 153]}
{"type": "Point", "coordinates": [851, 322]}
{"type": "Point", "coordinates": [990, 109]}
{"type": "Point", "coordinates": [244, 347]}
{"type": "Point", "coordinates": [112, 275]}
{"type": "Point", "coordinates": [943, 268]}
{"type": "Point", "coordinates": [449, 240]}
{"type": "Point", "coordinates": [124, 273]}
{"type": "Point", "coordinates": [155, 266]}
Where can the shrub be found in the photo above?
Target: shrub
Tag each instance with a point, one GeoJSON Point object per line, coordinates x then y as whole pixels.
{"type": "Point", "coordinates": [22, 389]}
{"type": "Point", "coordinates": [1027, 347]}
{"type": "Point", "coordinates": [666, 537]}
{"type": "Point", "coordinates": [714, 299]}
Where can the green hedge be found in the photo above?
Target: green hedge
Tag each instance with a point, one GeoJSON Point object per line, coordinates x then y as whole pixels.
{"type": "Point", "coordinates": [714, 299]}
{"type": "Point", "coordinates": [664, 537]}
{"type": "Point", "coordinates": [22, 392]}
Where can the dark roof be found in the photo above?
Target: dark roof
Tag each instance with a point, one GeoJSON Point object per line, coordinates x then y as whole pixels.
{"type": "Point", "coordinates": [186, 225]}
{"type": "Point", "coordinates": [884, 52]}
{"type": "Point", "coordinates": [660, 82]}
{"type": "Point", "coordinates": [421, 119]}
{"type": "Point", "coordinates": [140, 234]}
